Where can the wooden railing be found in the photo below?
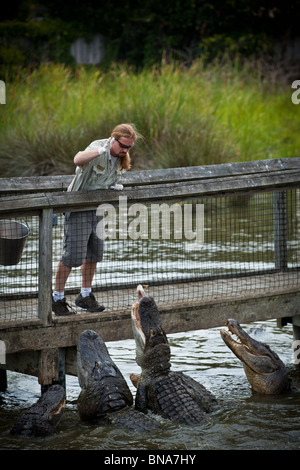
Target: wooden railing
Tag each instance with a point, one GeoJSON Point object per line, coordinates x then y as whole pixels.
{"type": "Point", "coordinates": [197, 180]}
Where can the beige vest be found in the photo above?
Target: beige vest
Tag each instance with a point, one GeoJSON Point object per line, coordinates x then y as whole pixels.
{"type": "Point", "coordinates": [99, 173]}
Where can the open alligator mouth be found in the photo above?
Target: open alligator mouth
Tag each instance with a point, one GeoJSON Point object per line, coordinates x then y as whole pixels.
{"type": "Point", "coordinates": [147, 327]}
{"type": "Point", "coordinates": [59, 408]}
{"type": "Point", "coordinates": [43, 416]}
{"type": "Point", "coordinates": [238, 340]}
{"type": "Point", "coordinates": [264, 369]}
{"type": "Point", "coordinates": [255, 355]}
{"type": "Point", "coordinates": [136, 319]}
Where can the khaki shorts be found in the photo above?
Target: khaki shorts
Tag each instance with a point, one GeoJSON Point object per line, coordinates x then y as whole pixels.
{"type": "Point", "coordinates": [80, 238]}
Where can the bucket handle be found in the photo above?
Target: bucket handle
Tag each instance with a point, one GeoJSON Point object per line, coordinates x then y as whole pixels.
{"type": "Point", "coordinates": [22, 218]}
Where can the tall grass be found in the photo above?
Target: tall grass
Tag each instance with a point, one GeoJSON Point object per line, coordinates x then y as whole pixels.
{"type": "Point", "coordinates": [201, 115]}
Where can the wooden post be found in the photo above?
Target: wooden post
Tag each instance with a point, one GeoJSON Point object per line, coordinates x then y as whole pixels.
{"type": "Point", "coordinates": [3, 380]}
{"type": "Point", "coordinates": [45, 266]}
{"type": "Point", "coordinates": [61, 379]}
{"type": "Point", "coordinates": [279, 221]}
{"type": "Point", "coordinates": [52, 368]}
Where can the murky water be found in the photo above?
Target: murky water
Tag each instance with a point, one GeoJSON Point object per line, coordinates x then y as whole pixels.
{"type": "Point", "coordinates": [244, 420]}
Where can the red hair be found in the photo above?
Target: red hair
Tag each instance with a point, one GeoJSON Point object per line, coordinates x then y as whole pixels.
{"type": "Point", "coordinates": [129, 131]}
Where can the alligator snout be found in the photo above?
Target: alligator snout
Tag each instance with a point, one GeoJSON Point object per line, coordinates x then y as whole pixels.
{"type": "Point", "coordinates": [264, 370]}
{"type": "Point", "coordinates": [232, 323]}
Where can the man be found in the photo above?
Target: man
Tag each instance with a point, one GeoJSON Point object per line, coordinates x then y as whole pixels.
{"type": "Point", "coordinates": [100, 166]}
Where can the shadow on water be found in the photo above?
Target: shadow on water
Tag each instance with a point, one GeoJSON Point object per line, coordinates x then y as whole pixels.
{"type": "Point", "coordinates": [243, 421]}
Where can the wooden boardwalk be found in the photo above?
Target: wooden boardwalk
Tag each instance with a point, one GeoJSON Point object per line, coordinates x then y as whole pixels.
{"type": "Point", "coordinates": [174, 296]}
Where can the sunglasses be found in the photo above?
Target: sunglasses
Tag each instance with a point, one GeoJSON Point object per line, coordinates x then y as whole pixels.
{"type": "Point", "coordinates": [123, 146]}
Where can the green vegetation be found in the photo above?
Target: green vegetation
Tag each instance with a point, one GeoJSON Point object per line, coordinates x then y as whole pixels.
{"type": "Point", "coordinates": [188, 116]}
{"type": "Point", "coordinates": [140, 32]}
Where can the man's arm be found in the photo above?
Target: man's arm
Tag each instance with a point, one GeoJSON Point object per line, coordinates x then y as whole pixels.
{"type": "Point", "coordinates": [82, 158]}
{"type": "Point", "coordinates": [95, 149]}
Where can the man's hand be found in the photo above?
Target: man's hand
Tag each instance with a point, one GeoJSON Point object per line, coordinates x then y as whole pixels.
{"type": "Point", "coordinates": [117, 187]}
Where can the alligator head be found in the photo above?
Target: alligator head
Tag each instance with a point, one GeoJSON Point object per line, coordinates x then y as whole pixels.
{"type": "Point", "coordinates": [263, 368]}
{"type": "Point", "coordinates": [42, 418]}
{"type": "Point", "coordinates": [170, 394]}
{"type": "Point", "coordinates": [104, 389]}
{"type": "Point", "coordinates": [152, 348]}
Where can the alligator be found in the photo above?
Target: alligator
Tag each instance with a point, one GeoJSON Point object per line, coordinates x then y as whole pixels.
{"type": "Point", "coordinates": [264, 370]}
{"type": "Point", "coordinates": [42, 418]}
{"type": "Point", "coordinates": [105, 397]}
{"type": "Point", "coordinates": [172, 395]}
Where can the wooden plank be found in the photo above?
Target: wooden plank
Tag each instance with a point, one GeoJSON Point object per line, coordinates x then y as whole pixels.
{"type": "Point", "coordinates": [26, 362]}
{"type": "Point", "coordinates": [86, 199]}
{"type": "Point", "coordinates": [144, 177]}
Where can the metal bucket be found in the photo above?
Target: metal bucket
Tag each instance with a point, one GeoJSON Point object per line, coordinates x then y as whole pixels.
{"type": "Point", "coordinates": [12, 240]}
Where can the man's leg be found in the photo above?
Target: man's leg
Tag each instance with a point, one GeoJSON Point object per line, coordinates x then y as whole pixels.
{"type": "Point", "coordinates": [86, 298]}
{"type": "Point", "coordinates": [59, 304]}
{"type": "Point", "coordinates": [62, 275]}
{"type": "Point", "coordinates": [77, 230]}
{"type": "Point", "coordinates": [87, 272]}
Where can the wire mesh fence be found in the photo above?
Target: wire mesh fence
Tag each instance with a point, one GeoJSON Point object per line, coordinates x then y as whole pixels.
{"type": "Point", "coordinates": [234, 245]}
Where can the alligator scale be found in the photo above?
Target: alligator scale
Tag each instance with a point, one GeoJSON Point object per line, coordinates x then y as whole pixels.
{"type": "Point", "coordinates": [172, 395]}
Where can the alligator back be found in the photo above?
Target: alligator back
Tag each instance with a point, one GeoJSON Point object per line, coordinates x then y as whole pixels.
{"type": "Point", "coordinates": [177, 397]}
{"type": "Point", "coordinates": [132, 420]}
